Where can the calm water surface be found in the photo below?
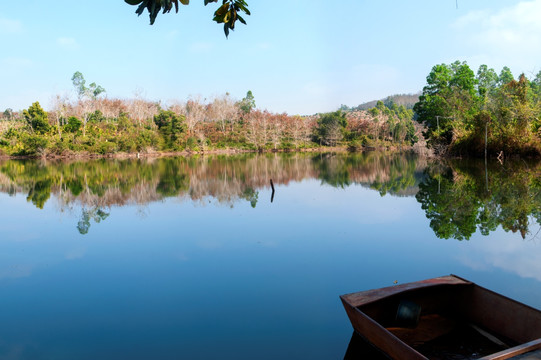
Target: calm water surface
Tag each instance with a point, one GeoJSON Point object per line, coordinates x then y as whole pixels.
{"type": "Point", "coordinates": [189, 259]}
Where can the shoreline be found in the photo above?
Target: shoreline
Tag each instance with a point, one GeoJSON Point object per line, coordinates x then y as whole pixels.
{"type": "Point", "coordinates": [187, 153]}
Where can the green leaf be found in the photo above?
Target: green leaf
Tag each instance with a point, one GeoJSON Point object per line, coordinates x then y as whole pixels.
{"type": "Point", "coordinates": [222, 10]}
{"type": "Point", "coordinates": [185, 2]}
{"type": "Point", "coordinates": [133, 2]}
{"type": "Point", "coordinates": [141, 7]}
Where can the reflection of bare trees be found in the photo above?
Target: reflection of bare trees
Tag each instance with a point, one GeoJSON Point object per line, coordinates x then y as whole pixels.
{"type": "Point", "coordinates": [102, 184]}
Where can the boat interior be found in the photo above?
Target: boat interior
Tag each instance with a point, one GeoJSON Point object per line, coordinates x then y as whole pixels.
{"type": "Point", "coordinates": [459, 321]}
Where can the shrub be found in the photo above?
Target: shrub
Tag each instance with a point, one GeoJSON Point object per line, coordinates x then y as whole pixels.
{"type": "Point", "coordinates": [73, 125]}
{"type": "Point", "coordinates": [37, 118]}
{"type": "Point", "coordinates": [106, 148]}
{"type": "Point", "coordinates": [33, 145]}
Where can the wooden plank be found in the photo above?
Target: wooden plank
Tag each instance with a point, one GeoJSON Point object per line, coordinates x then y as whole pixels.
{"type": "Point", "coordinates": [513, 352]}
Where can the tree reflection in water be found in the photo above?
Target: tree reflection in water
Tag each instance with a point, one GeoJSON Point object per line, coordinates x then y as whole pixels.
{"type": "Point", "coordinates": [459, 197]}
{"type": "Point", "coordinates": [464, 197]}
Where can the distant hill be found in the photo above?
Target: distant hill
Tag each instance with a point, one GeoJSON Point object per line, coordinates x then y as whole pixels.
{"type": "Point", "coordinates": [408, 100]}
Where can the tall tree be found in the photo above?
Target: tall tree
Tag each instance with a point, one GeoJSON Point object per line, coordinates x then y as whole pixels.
{"type": "Point", "coordinates": [247, 103]}
{"type": "Point", "coordinates": [331, 127]}
{"type": "Point", "coordinates": [8, 114]}
{"type": "Point", "coordinates": [487, 81]}
{"type": "Point", "coordinates": [87, 97]}
{"type": "Point", "coordinates": [447, 105]}
{"type": "Point", "coordinates": [506, 76]}
{"type": "Point", "coordinates": [172, 126]}
{"type": "Point", "coordinates": [37, 118]}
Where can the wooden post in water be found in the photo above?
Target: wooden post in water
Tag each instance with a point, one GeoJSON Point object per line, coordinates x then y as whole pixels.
{"type": "Point", "coordinates": [272, 187]}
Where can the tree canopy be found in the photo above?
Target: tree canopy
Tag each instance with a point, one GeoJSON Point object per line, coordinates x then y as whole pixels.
{"type": "Point", "coordinates": [468, 114]}
{"type": "Point", "coordinates": [228, 13]}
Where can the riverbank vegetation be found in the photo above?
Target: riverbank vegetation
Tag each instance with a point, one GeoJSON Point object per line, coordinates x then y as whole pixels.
{"type": "Point", "coordinates": [459, 113]}
{"type": "Point", "coordinates": [467, 113]}
{"type": "Point", "coordinates": [94, 124]}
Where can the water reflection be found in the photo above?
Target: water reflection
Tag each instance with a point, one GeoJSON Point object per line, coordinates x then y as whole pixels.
{"type": "Point", "coordinates": [465, 196]}
{"type": "Point", "coordinates": [98, 185]}
{"type": "Point", "coordinates": [459, 198]}
{"type": "Point", "coordinates": [359, 348]}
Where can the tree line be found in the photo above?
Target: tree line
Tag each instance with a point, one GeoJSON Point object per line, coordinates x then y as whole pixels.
{"type": "Point", "coordinates": [467, 113]}
{"type": "Point", "coordinates": [95, 124]}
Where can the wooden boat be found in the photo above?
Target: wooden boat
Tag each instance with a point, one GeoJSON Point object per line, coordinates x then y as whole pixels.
{"type": "Point", "coordinates": [445, 318]}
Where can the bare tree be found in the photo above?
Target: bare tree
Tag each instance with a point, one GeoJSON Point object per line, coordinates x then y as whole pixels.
{"type": "Point", "coordinates": [224, 110]}
{"type": "Point", "coordinates": [195, 113]}
{"type": "Point", "coordinates": [275, 130]}
{"type": "Point", "coordinates": [140, 109]}
{"type": "Point", "coordinates": [60, 107]}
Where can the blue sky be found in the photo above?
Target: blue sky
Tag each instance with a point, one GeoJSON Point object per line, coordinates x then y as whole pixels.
{"type": "Point", "coordinates": [297, 56]}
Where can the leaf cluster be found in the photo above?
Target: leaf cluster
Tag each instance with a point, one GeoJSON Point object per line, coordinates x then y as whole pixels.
{"type": "Point", "coordinates": [228, 13]}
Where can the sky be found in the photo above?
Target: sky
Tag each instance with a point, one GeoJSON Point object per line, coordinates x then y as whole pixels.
{"type": "Point", "coordinates": [296, 56]}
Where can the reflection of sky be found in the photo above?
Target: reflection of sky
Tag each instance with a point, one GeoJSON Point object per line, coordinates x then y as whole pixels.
{"type": "Point", "coordinates": [206, 281]}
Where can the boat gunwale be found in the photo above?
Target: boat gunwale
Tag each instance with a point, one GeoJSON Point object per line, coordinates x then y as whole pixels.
{"type": "Point", "coordinates": [365, 297]}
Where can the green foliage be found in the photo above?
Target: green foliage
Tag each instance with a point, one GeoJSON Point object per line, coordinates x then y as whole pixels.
{"type": "Point", "coordinates": [32, 145]}
{"type": "Point", "coordinates": [462, 198]}
{"type": "Point", "coordinates": [228, 13]}
{"type": "Point", "coordinates": [8, 114]}
{"type": "Point", "coordinates": [172, 180]}
{"type": "Point", "coordinates": [79, 82]}
{"type": "Point", "coordinates": [251, 196]}
{"type": "Point", "coordinates": [397, 123]}
{"type": "Point", "coordinates": [331, 128]}
{"type": "Point", "coordinates": [448, 101]}
{"type": "Point", "coordinates": [487, 82]}
{"type": "Point", "coordinates": [96, 213]}
{"type": "Point", "coordinates": [506, 76]}
{"type": "Point", "coordinates": [95, 117]}
{"type": "Point", "coordinates": [73, 125]}
{"type": "Point", "coordinates": [192, 143]}
{"type": "Point", "coordinates": [171, 126]}
{"type": "Point", "coordinates": [40, 193]}
{"type": "Point", "coordinates": [247, 103]}
{"type": "Point", "coordinates": [466, 115]}
{"type": "Point", "coordinates": [37, 118]}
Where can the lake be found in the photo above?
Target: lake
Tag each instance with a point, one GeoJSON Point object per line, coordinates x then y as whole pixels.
{"type": "Point", "coordinates": [193, 258]}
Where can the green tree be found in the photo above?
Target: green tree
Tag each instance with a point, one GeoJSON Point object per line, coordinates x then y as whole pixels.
{"type": "Point", "coordinates": [448, 104]}
{"type": "Point", "coordinates": [506, 76]}
{"type": "Point", "coordinates": [331, 128]}
{"type": "Point", "coordinates": [92, 91]}
{"type": "Point", "coordinates": [171, 126]}
{"type": "Point", "coordinates": [487, 81]}
{"type": "Point", "coordinates": [228, 13]}
{"type": "Point", "coordinates": [37, 118]}
{"type": "Point", "coordinates": [8, 114]}
{"type": "Point", "coordinates": [73, 125]}
{"type": "Point", "coordinates": [247, 103]}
